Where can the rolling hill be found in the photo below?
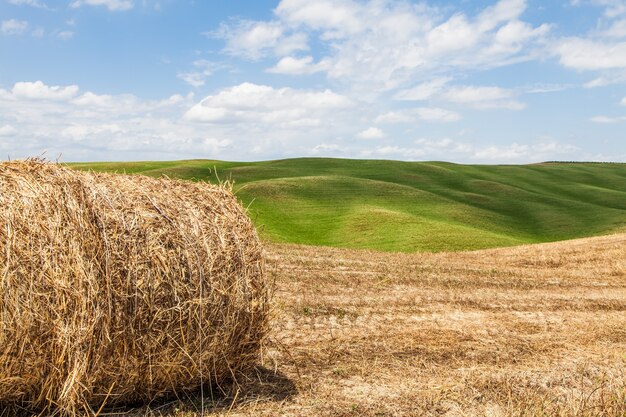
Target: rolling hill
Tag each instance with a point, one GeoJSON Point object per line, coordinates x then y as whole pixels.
{"type": "Point", "coordinates": [413, 206]}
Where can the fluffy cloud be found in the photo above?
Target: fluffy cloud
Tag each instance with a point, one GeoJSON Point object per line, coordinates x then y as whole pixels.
{"type": "Point", "coordinates": [371, 133]}
{"type": "Point", "coordinates": [473, 94]}
{"type": "Point", "coordinates": [423, 91]}
{"type": "Point", "coordinates": [243, 121]}
{"type": "Point", "coordinates": [38, 90]}
{"type": "Point", "coordinates": [412, 115]}
{"type": "Point", "coordinates": [483, 97]}
{"type": "Point", "coordinates": [478, 97]}
{"type": "Point", "coordinates": [326, 148]}
{"type": "Point", "coordinates": [602, 50]}
{"type": "Point", "coordinates": [36, 117]}
{"type": "Point", "coordinates": [295, 66]}
{"type": "Point", "coordinates": [606, 79]}
{"type": "Point", "coordinates": [32, 3]}
{"type": "Point", "coordinates": [337, 19]}
{"type": "Point", "coordinates": [65, 35]}
{"type": "Point", "coordinates": [382, 45]}
{"type": "Point", "coordinates": [7, 130]}
{"type": "Point", "coordinates": [392, 117]}
{"type": "Point", "coordinates": [285, 107]}
{"type": "Point", "coordinates": [616, 30]}
{"type": "Point", "coordinates": [112, 5]}
{"type": "Point", "coordinates": [38, 32]}
{"type": "Point", "coordinates": [607, 119]}
{"type": "Point", "coordinates": [436, 114]}
{"type": "Point", "coordinates": [447, 148]}
{"type": "Point", "coordinates": [587, 54]}
{"type": "Point", "coordinates": [612, 8]}
{"type": "Point", "coordinates": [254, 40]}
{"type": "Point", "coordinates": [13, 27]}
{"type": "Point", "coordinates": [203, 69]}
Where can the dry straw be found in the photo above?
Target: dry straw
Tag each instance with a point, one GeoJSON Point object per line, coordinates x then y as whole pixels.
{"type": "Point", "coordinates": [119, 289]}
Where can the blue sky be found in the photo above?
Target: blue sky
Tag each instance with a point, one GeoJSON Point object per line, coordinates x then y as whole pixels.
{"type": "Point", "coordinates": [509, 81]}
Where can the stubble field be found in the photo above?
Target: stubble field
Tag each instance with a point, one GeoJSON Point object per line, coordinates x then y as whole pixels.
{"type": "Point", "coordinates": [537, 330]}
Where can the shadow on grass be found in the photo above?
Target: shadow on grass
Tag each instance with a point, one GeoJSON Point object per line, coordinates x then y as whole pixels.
{"type": "Point", "coordinates": [260, 385]}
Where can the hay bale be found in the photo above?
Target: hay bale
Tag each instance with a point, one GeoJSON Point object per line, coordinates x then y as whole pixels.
{"type": "Point", "coordinates": [119, 289]}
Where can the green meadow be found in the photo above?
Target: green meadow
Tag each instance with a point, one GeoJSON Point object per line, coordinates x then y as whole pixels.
{"type": "Point", "coordinates": [412, 206]}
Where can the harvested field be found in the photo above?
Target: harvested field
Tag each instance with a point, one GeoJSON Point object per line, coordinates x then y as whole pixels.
{"type": "Point", "coordinates": [534, 330]}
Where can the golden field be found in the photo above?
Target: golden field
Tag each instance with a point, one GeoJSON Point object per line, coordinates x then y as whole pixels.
{"type": "Point", "coordinates": [537, 330]}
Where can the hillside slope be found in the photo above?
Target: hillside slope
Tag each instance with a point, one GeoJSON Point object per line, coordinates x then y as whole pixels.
{"type": "Point", "coordinates": [413, 206]}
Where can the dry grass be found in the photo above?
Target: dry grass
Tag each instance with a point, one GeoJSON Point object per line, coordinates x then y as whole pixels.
{"type": "Point", "coordinates": [118, 289]}
{"type": "Point", "coordinates": [528, 331]}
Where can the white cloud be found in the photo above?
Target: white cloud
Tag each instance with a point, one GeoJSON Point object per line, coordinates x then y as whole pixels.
{"type": "Point", "coordinates": [326, 149]}
{"type": "Point", "coordinates": [65, 35]}
{"type": "Point", "coordinates": [39, 91]}
{"type": "Point", "coordinates": [394, 152]}
{"type": "Point", "coordinates": [606, 79]}
{"type": "Point", "coordinates": [38, 32]}
{"type": "Point", "coordinates": [597, 82]}
{"type": "Point", "coordinates": [586, 54]}
{"type": "Point", "coordinates": [112, 5]}
{"type": "Point", "coordinates": [284, 107]}
{"type": "Point", "coordinates": [455, 34]}
{"type": "Point", "coordinates": [204, 69]}
{"type": "Point", "coordinates": [100, 126]}
{"type": "Point", "coordinates": [7, 130]}
{"type": "Point", "coordinates": [617, 30]}
{"type": "Point", "coordinates": [376, 45]}
{"type": "Point", "coordinates": [32, 3]}
{"type": "Point", "coordinates": [250, 39]}
{"type": "Point", "coordinates": [537, 152]}
{"type": "Point", "coordinates": [446, 148]}
{"type": "Point", "coordinates": [194, 79]}
{"type": "Point", "coordinates": [511, 152]}
{"type": "Point", "coordinates": [291, 43]}
{"type": "Point", "coordinates": [613, 8]}
{"type": "Point", "coordinates": [393, 117]}
{"type": "Point", "coordinates": [436, 114]}
{"type": "Point", "coordinates": [337, 19]}
{"type": "Point", "coordinates": [607, 119]}
{"type": "Point", "coordinates": [13, 27]}
{"type": "Point", "coordinates": [295, 66]}
{"type": "Point", "coordinates": [481, 97]}
{"type": "Point", "coordinates": [246, 121]}
{"type": "Point", "coordinates": [422, 149]}
{"type": "Point", "coordinates": [623, 102]}
{"type": "Point", "coordinates": [602, 50]}
{"type": "Point", "coordinates": [423, 91]}
{"type": "Point", "coordinates": [254, 40]}
{"type": "Point", "coordinates": [472, 94]}
{"type": "Point", "coordinates": [502, 11]}
{"type": "Point", "coordinates": [371, 133]}
{"type": "Point", "coordinates": [443, 145]}
{"type": "Point", "coordinates": [429, 114]}
{"type": "Point", "coordinates": [543, 88]}
{"type": "Point", "coordinates": [78, 132]}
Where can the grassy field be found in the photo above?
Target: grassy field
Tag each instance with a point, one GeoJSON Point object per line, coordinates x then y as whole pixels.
{"type": "Point", "coordinates": [536, 330]}
{"type": "Point", "coordinates": [413, 206]}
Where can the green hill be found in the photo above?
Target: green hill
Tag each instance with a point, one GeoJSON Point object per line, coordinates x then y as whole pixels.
{"type": "Point", "coordinates": [413, 206]}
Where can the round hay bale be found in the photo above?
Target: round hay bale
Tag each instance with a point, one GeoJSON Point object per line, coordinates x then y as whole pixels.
{"type": "Point", "coordinates": [119, 289]}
